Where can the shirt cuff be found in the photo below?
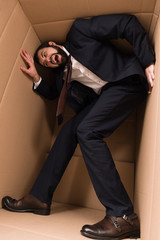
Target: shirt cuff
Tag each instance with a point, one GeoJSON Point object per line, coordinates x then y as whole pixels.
{"type": "Point", "coordinates": [36, 84]}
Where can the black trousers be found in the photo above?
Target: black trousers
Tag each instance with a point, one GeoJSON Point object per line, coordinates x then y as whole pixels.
{"type": "Point", "coordinates": [88, 128]}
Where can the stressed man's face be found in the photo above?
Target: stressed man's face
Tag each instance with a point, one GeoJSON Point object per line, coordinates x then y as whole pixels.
{"type": "Point", "coordinates": [52, 57]}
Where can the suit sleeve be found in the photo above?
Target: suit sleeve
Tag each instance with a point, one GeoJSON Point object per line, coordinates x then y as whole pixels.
{"type": "Point", "coordinates": [116, 26]}
{"type": "Point", "coordinates": [46, 91]}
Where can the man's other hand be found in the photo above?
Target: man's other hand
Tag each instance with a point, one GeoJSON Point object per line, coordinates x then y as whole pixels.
{"type": "Point", "coordinates": [149, 71]}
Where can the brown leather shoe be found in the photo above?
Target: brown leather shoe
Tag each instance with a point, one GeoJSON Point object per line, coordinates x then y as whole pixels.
{"type": "Point", "coordinates": [27, 204]}
{"type": "Point", "coordinates": [113, 228]}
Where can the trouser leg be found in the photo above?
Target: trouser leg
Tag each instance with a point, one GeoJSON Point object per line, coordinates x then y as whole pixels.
{"type": "Point", "coordinates": [115, 103]}
{"type": "Point", "coordinates": [58, 159]}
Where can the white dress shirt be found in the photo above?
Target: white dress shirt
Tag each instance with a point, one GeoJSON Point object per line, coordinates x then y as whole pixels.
{"type": "Point", "coordinates": [83, 75]}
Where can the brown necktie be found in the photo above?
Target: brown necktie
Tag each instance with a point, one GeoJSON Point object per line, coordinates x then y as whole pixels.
{"type": "Point", "coordinates": [63, 94]}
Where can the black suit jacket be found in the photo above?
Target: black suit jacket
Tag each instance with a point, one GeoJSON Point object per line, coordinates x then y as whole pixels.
{"type": "Point", "coordinates": [88, 41]}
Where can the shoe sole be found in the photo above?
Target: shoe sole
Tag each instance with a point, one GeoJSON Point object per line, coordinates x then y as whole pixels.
{"type": "Point", "coordinates": [43, 212]}
{"type": "Point", "coordinates": [132, 235]}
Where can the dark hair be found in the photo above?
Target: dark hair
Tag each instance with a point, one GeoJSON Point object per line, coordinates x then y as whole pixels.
{"type": "Point", "coordinates": [43, 45]}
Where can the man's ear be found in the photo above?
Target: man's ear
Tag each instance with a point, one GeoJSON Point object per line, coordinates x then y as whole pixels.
{"type": "Point", "coordinates": [52, 43]}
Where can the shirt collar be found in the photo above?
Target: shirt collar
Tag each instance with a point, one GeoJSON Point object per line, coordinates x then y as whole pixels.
{"type": "Point", "coordinates": [65, 50]}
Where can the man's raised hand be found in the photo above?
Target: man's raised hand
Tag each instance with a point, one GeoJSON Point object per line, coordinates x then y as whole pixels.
{"type": "Point", "coordinates": [31, 70]}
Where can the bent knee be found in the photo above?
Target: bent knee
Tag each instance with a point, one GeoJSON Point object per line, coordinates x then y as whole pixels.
{"type": "Point", "coordinates": [87, 133]}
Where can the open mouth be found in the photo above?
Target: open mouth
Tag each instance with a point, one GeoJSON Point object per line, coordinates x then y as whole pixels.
{"type": "Point", "coordinates": [55, 59]}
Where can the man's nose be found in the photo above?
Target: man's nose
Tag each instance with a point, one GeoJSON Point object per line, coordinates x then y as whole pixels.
{"type": "Point", "coordinates": [48, 58]}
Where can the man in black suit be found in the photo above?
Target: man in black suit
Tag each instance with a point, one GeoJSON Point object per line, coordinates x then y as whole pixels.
{"type": "Point", "coordinates": [106, 86]}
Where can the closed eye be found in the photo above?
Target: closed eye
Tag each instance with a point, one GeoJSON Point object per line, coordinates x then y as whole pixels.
{"type": "Point", "coordinates": [45, 64]}
{"type": "Point", "coordinates": [43, 54]}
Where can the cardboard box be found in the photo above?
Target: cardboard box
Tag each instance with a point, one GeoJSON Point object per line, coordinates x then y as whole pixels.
{"type": "Point", "coordinates": [27, 125]}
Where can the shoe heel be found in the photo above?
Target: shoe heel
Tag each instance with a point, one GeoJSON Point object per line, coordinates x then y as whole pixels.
{"type": "Point", "coordinates": [43, 212]}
